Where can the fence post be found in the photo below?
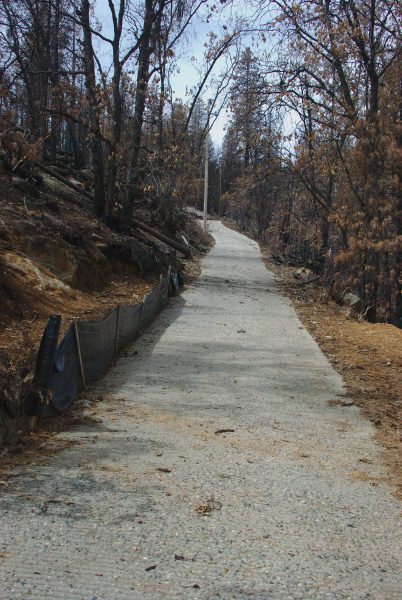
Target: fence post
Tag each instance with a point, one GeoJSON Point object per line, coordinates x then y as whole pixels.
{"type": "Point", "coordinates": [159, 290]}
{"type": "Point", "coordinates": [140, 319]}
{"type": "Point", "coordinates": [168, 283]}
{"type": "Point", "coordinates": [117, 330]}
{"type": "Point", "coordinates": [77, 343]}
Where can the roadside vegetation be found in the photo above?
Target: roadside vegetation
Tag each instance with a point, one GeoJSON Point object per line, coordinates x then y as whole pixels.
{"type": "Point", "coordinates": [312, 158]}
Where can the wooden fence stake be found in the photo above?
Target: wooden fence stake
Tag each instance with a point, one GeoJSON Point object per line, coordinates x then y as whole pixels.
{"type": "Point", "coordinates": [159, 287]}
{"type": "Point", "coordinates": [140, 319]}
{"type": "Point", "coordinates": [117, 330]}
{"type": "Point", "coordinates": [77, 342]}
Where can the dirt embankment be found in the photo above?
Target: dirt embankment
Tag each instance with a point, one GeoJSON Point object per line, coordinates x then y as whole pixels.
{"type": "Point", "coordinates": [56, 258]}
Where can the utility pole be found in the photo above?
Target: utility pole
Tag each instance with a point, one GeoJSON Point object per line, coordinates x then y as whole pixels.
{"type": "Point", "coordinates": [206, 168]}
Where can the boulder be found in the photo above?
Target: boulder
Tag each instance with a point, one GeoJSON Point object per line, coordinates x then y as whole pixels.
{"type": "Point", "coordinates": [352, 300]}
{"type": "Point", "coordinates": [32, 274]}
{"type": "Point", "coordinates": [302, 273]}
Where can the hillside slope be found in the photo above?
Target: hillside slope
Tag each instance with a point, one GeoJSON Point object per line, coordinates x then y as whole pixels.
{"type": "Point", "coordinates": [57, 258]}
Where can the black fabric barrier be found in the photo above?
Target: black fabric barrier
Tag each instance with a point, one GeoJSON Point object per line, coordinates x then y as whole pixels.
{"type": "Point", "coordinates": [97, 341]}
{"type": "Point", "coordinates": [128, 324]}
{"type": "Point", "coordinates": [58, 368]}
{"type": "Point", "coordinates": [36, 398]}
{"type": "Point", "coordinates": [163, 291]}
{"type": "Point", "coordinates": [174, 282]}
{"type": "Point", "coordinates": [66, 379]}
{"type": "Point", "coordinates": [150, 309]}
{"type": "Point", "coordinates": [47, 353]}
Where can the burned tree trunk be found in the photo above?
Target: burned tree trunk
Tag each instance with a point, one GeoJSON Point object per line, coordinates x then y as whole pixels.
{"type": "Point", "coordinates": [144, 58]}
{"type": "Point", "coordinates": [94, 112]}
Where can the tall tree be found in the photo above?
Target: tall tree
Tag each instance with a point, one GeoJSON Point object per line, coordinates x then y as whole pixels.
{"type": "Point", "coordinates": [249, 148]}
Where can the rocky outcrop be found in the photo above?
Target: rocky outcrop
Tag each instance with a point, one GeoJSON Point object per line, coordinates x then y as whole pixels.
{"type": "Point", "coordinates": [32, 274]}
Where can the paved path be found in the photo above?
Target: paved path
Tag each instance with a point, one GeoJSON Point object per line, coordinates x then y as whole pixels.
{"type": "Point", "coordinates": [293, 499]}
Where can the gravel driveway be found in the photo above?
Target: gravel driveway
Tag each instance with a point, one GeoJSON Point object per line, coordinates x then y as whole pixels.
{"type": "Point", "coordinates": [154, 503]}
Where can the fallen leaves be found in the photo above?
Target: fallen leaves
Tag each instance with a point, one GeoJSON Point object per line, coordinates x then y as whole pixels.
{"type": "Point", "coordinates": [358, 475]}
{"type": "Point", "coordinates": [208, 506]}
{"type": "Point", "coordinates": [376, 387]}
{"type": "Point", "coordinates": [182, 557]}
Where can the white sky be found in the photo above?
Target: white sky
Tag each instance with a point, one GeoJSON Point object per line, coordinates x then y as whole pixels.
{"type": "Point", "coordinates": [189, 77]}
{"type": "Point", "coordinates": [190, 53]}
{"type": "Point", "coordinates": [192, 48]}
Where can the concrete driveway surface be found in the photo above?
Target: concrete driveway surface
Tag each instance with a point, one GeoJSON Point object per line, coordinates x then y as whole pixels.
{"type": "Point", "coordinates": [153, 503]}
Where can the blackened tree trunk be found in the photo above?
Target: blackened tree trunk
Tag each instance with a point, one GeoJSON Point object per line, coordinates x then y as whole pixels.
{"type": "Point", "coordinates": [54, 76]}
{"type": "Point", "coordinates": [144, 59]}
{"type": "Point", "coordinates": [93, 112]}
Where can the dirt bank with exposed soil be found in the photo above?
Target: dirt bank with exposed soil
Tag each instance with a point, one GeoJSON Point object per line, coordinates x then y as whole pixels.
{"type": "Point", "coordinates": [56, 258]}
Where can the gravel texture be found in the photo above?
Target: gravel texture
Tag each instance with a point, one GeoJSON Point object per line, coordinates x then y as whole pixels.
{"type": "Point", "coordinates": [152, 503]}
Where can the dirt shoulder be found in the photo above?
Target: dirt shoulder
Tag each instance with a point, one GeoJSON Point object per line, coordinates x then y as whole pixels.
{"type": "Point", "coordinates": [368, 355]}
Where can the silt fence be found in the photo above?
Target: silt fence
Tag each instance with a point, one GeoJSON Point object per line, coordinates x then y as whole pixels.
{"type": "Point", "coordinates": [89, 347]}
